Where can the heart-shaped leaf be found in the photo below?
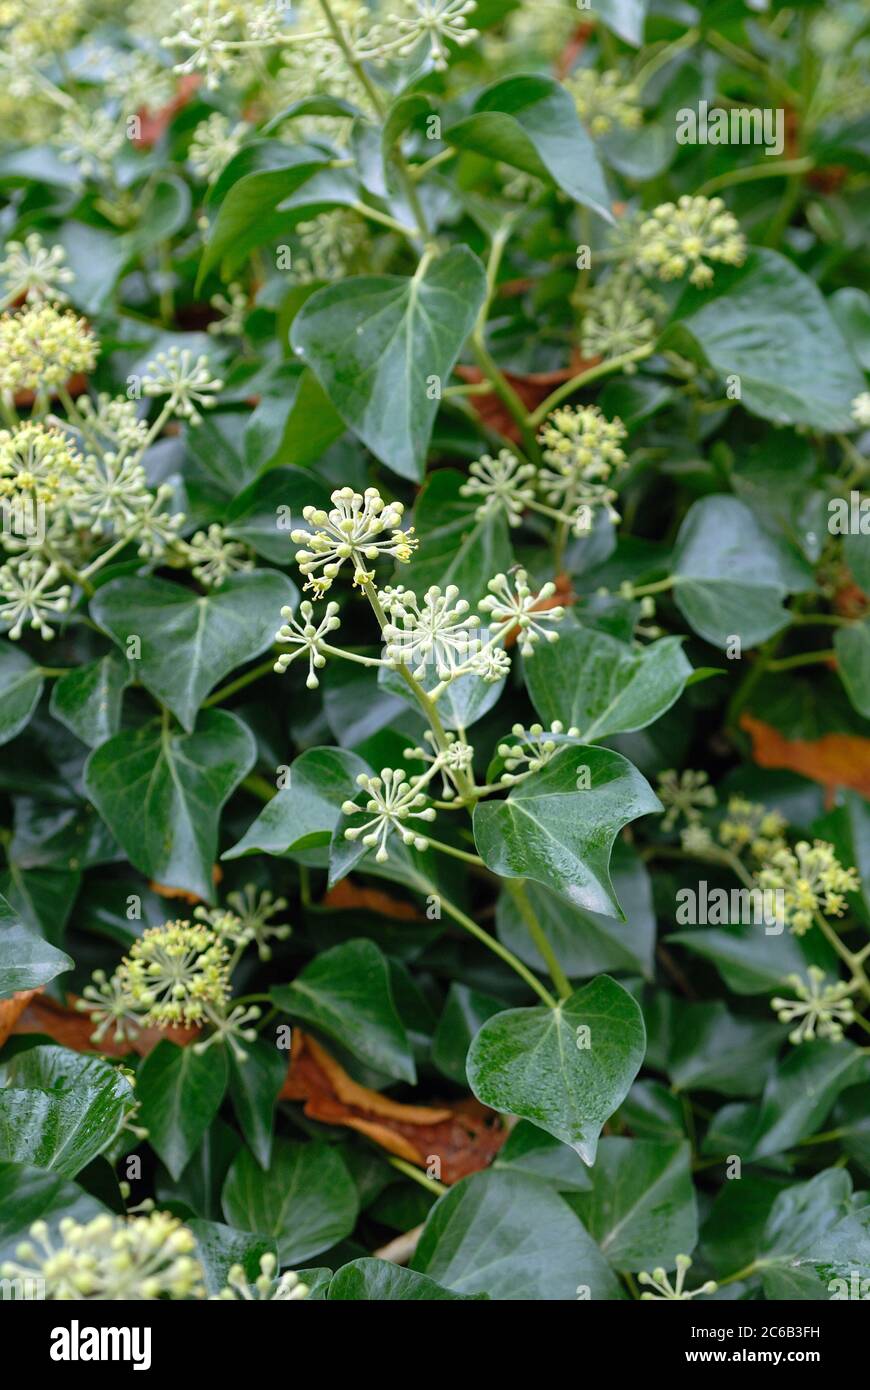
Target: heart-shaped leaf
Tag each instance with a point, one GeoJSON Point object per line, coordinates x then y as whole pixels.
{"type": "Point", "coordinates": [254, 1087]}
{"type": "Point", "coordinates": [180, 1093]}
{"type": "Point", "coordinates": [377, 343]}
{"type": "Point", "coordinates": [381, 1281]}
{"type": "Point", "coordinates": [88, 699]}
{"type": "Point", "coordinates": [162, 793]}
{"type": "Point", "coordinates": [187, 641]}
{"type": "Point", "coordinates": [305, 812]}
{"type": "Point", "coordinates": [642, 1208]}
{"type": "Point", "coordinates": [558, 826]}
{"type": "Point", "coordinates": [306, 1201]}
{"type": "Point", "coordinates": [26, 960]}
{"type": "Point", "coordinates": [566, 1069]}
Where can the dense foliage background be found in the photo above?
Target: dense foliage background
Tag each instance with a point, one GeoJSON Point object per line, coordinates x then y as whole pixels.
{"type": "Point", "coordinates": [280, 283]}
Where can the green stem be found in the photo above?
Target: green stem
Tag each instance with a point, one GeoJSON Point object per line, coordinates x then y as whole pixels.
{"type": "Point", "coordinates": [790, 663]}
{"type": "Point", "coordinates": [773, 169]}
{"type": "Point", "coordinates": [239, 683]}
{"type": "Point", "coordinates": [517, 890]}
{"type": "Point", "coordinates": [258, 786]}
{"type": "Point", "coordinates": [474, 859]}
{"type": "Point", "coordinates": [431, 1184]}
{"type": "Point", "coordinates": [613, 364]}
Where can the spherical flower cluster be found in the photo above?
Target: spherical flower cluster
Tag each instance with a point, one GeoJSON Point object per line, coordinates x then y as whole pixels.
{"type": "Point", "coordinates": [620, 315]}
{"type": "Point", "coordinates": [254, 911]}
{"type": "Point", "coordinates": [175, 973]}
{"type": "Point", "coordinates": [90, 140]}
{"type": "Point", "coordinates": [438, 632]}
{"type": "Point", "coordinates": [824, 1010]}
{"type": "Point", "coordinates": [266, 1288]}
{"type": "Point", "coordinates": [330, 245]}
{"type": "Point", "coordinates": [361, 528]}
{"type": "Point", "coordinates": [41, 347]}
{"type": "Point", "coordinates": [109, 1006]}
{"type": "Point", "coordinates": [306, 636]}
{"type": "Point", "coordinates": [451, 761]}
{"type": "Point", "coordinates": [213, 144]}
{"type": "Point", "coordinates": [187, 382]}
{"type": "Point", "coordinates": [438, 21]}
{"type": "Point", "coordinates": [749, 823]}
{"type": "Point", "coordinates": [682, 237]}
{"type": "Point", "coordinates": [213, 556]}
{"type": "Point", "coordinates": [36, 463]}
{"type": "Point", "coordinates": [392, 802]}
{"type": "Point", "coordinates": [582, 448]}
{"type": "Point", "coordinates": [534, 750]}
{"type": "Point", "coordinates": [684, 794]}
{"type": "Point", "coordinates": [603, 100]}
{"type": "Point", "coordinates": [675, 1292]}
{"type": "Point", "coordinates": [812, 880]}
{"type": "Point", "coordinates": [111, 1258]}
{"type": "Point", "coordinates": [32, 272]}
{"type": "Point", "coordinates": [511, 605]}
{"type": "Point", "coordinates": [503, 482]}
{"type": "Point", "coordinates": [30, 595]}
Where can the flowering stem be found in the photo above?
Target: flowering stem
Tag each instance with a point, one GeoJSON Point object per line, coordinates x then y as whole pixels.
{"type": "Point", "coordinates": [777, 168]}
{"type": "Point", "coordinates": [517, 890]}
{"type": "Point", "coordinates": [431, 1184]}
{"type": "Point", "coordinates": [365, 211]}
{"type": "Point", "coordinates": [462, 854]}
{"type": "Point", "coordinates": [239, 684]}
{"type": "Point", "coordinates": [613, 364]}
{"type": "Point", "coordinates": [505, 392]}
{"type": "Point", "coordinates": [788, 663]}
{"type": "Point", "coordinates": [853, 963]}
{"type": "Point", "coordinates": [491, 942]}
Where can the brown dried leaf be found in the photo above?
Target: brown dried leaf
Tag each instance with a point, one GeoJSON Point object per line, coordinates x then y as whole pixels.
{"type": "Point", "coordinates": [835, 760]}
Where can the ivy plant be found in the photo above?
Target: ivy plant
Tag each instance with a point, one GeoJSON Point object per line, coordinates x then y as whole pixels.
{"type": "Point", "coordinates": [435, 656]}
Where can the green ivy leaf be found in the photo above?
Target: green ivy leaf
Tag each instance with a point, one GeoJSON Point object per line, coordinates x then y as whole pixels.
{"type": "Point", "coordinates": [190, 641]}
{"type": "Point", "coordinates": [730, 576]}
{"type": "Point", "coordinates": [768, 323]}
{"type": "Point", "coordinates": [26, 960]}
{"type": "Point", "coordinates": [264, 514]}
{"type": "Point", "coordinates": [530, 122]}
{"type": "Point", "coordinates": [532, 1151]}
{"type": "Point", "coordinates": [510, 1236]}
{"type": "Point", "coordinates": [304, 813]}
{"type": "Point", "coordinates": [852, 645]}
{"type": "Point", "coordinates": [88, 699]}
{"type": "Point", "coordinates": [642, 1208]}
{"type": "Point", "coordinates": [29, 1194]}
{"type": "Point", "coordinates": [346, 994]}
{"type": "Point", "coordinates": [800, 1093]}
{"type": "Point", "coordinates": [381, 1281]}
{"type": "Point", "coordinates": [375, 341]}
{"type": "Point", "coordinates": [180, 1093]}
{"type": "Point", "coordinates": [465, 1010]}
{"type": "Point", "coordinates": [752, 961]}
{"type": "Point", "coordinates": [306, 1201]}
{"type": "Point", "coordinates": [60, 1109]}
{"type": "Point", "coordinates": [162, 793]}
{"type": "Point", "coordinates": [816, 1244]}
{"type": "Point", "coordinates": [625, 17]}
{"type": "Point", "coordinates": [219, 1247]}
{"type": "Point", "coordinates": [254, 1087]}
{"type": "Point", "coordinates": [20, 689]}
{"type": "Point", "coordinates": [623, 688]}
{"type": "Point", "coordinates": [566, 1069]}
{"type": "Point", "coordinates": [562, 837]}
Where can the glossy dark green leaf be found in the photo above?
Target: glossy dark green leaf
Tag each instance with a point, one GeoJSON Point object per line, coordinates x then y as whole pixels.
{"type": "Point", "coordinates": [180, 1093]}
{"type": "Point", "coordinates": [465, 1010]}
{"type": "Point", "coordinates": [558, 826]}
{"type": "Point", "coordinates": [305, 812]}
{"type": "Point", "coordinates": [625, 17]}
{"type": "Point", "coordinates": [306, 1201]}
{"type": "Point", "coordinates": [566, 1069]}
{"type": "Point", "coordinates": [162, 793]}
{"type": "Point", "coordinates": [816, 1244]}
{"type": "Point", "coordinates": [265, 513]}
{"type": "Point", "coordinates": [767, 323]}
{"type": "Point", "coordinates": [59, 1109]}
{"type": "Point", "coordinates": [88, 699]}
{"type": "Point", "coordinates": [750, 960]}
{"type": "Point", "coordinates": [852, 645]}
{"type": "Point", "coordinates": [642, 1208]}
{"type": "Point", "coordinates": [530, 1150]}
{"type": "Point", "coordinates": [29, 1194]}
{"type": "Point", "coordinates": [530, 122]}
{"type": "Point", "coordinates": [20, 688]}
{"type": "Point", "coordinates": [731, 577]}
{"type": "Point", "coordinates": [620, 688]}
{"type": "Point", "coordinates": [380, 1281]}
{"type": "Point", "coordinates": [510, 1236]}
{"type": "Point", "coordinates": [346, 994]}
{"type": "Point", "coordinates": [190, 641]}
{"type": "Point", "coordinates": [377, 342]}
{"type": "Point", "coordinates": [799, 1095]}
{"type": "Point", "coordinates": [219, 1247]}
{"type": "Point", "coordinates": [713, 1050]}
{"type": "Point", "coordinates": [27, 961]}
{"type": "Point", "coordinates": [254, 1087]}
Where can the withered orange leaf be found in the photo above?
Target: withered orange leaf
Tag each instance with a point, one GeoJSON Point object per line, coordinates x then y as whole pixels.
{"type": "Point", "coordinates": [532, 389]}
{"type": "Point", "coordinates": [464, 1136]}
{"type": "Point", "coordinates": [835, 760]}
{"type": "Point", "coordinates": [11, 1010]}
{"type": "Point", "coordinates": [67, 1026]}
{"type": "Point", "coordinates": [347, 894]}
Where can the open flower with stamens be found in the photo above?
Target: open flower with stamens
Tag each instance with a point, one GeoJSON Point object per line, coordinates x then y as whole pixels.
{"type": "Point", "coordinates": [675, 1292]}
{"type": "Point", "coordinates": [175, 973]}
{"type": "Point", "coordinates": [750, 823]}
{"type": "Point", "coordinates": [361, 528]}
{"type": "Point", "coordinates": [504, 484]}
{"type": "Point", "coordinates": [511, 603]}
{"type": "Point", "coordinates": [41, 347]}
{"type": "Point", "coordinates": [306, 636]}
{"type": "Point", "coordinates": [812, 880]}
{"type": "Point", "coordinates": [684, 236]}
{"type": "Point", "coordinates": [186, 380]}
{"type": "Point", "coordinates": [534, 749]}
{"type": "Point", "coordinates": [392, 802]}
{"type": "Point", "coordinates": [27, 597]}
{"type": "Point", "coordinates": [439, 631]}
{"type": "Point", "coordinates": [36, 464]}
{"type": "Point", "coordinates": [111, 1258]}
{"type": "Point", "coordinates": [34, 271]}
{"type": "Point", "coordinates": [824, 1010]}
{"type": "Point", "coordinates": [213, 556]}
{"type": "Point", "coordinates": [266, 1288]}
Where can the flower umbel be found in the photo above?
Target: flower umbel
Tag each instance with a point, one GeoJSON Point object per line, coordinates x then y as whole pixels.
{"type": "Point", "coordinates": [684, 794]}
{"type": "Point", "coordinates": [824, 1010]}
{"type": "Point", "coordinates": [437, 632]}
{"type": "Point", "coordinates": [306, 636]}
{"type": "Point", "coordinates": [511, 604]}
{"type": "Point", "coordinates": [27, 597]}
{"type": "Point", "coordinates": [812, 879]}
{"type": "Point", "coordinates": [187, 382]}
{"type": "Point", "coordinates": [504, 484]}
{"type": "Point", "coordinates": [675, 1292]}
{"type": "Point", "coordinates": [266, 1288]}
{"type": "Point", "coordinates": [32, 270]}
{"type": "Point", "coordinates": [682, 237]}
{"type": "Point", "coordinates": [392, 802]}
{"type": "Point", "coordinates": [361, 527]}
{"type": "Point", "coordinates": [174, 972]}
